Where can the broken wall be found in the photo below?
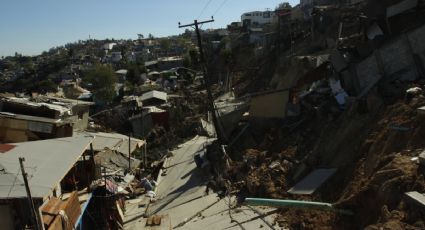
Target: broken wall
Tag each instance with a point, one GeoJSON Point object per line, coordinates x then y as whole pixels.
{"type": "Point", "coordinates": [397, 59]}
{"type": "Point", "coordinates": [272, 105]}
{"type": "Point", "coordinates": [416, 39]}
{"type": "Point", "coordinates": [80, 117]}
{"type": "Point", "coordinates": [368, 71]}
{"type": "Point", "coordinates": [402, 58]}
{"type": "Point", "coordinates": [15, 130]}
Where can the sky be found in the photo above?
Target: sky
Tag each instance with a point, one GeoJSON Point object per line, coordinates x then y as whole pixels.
{"type": "Point", "coordinates": [30, 27]}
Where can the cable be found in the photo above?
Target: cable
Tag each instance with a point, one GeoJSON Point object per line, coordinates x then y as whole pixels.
{"type": "Point", "coordinates": [205, 7]}
{"type": "Point", "coordinates": [219, 8]}
{"type": "Point", "coordinates": [13, 185]}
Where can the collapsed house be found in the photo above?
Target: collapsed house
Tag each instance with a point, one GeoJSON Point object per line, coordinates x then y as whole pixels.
{"type": "Point", "coordinates": [25, 119]}
{"type": "Point", "coordinates": [149, 117]}
{"type": "Point", "coordinates": [152, 113]}
{"type": "Point", "coordinates": [116, 152]}
{"type": "Point", "coordinates": [90, 169]}
{"type": "Point", "coordinates": [59, 174]}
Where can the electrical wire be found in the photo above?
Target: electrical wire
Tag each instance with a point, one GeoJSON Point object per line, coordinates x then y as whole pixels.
{"type": "Point", "coordinates": [13, 185]}
{"type": "Point", "coordinates": [203, 9]}
{"type": "Point", "coordinates": [219, 8]}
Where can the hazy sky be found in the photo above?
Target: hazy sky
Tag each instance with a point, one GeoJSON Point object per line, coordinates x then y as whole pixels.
{"type": "Point", "coordinates": [32, 26]}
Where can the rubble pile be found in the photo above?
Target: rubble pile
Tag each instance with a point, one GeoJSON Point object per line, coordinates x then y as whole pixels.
{"type": "Point", "coordinates": [373, 154]}
{"type": "Point", "coordinates": [352, 106]}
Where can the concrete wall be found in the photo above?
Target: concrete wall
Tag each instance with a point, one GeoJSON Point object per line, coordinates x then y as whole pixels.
{"type": "Point", "coordinates": [402, 58]}
{"type": "Point", "coordinates": [140, 127]}
{"type": "Point", "coordinates": [16, 130]}
{"type": "Point", "coordinates": [272, 105]}
{"type": "Point", "coordinates": [80, 117]}
{"type": "Point", "coordinates": [367, 72]}
{"type": "Point", "coordinates": [397, 59]}
{"type": "Point", "coordinates": [416, 39]}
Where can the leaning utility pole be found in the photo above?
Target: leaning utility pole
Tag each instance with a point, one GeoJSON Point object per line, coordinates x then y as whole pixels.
{"type": "Point", "coordinates": [129, 152]}
{"type": "Point", "coordinates": [34, 212]}
{"type": "Point", "coordinates": [206, 77]}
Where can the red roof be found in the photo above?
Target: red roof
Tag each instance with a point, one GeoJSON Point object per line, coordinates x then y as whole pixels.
{"type": "Point", "coordinates": [6, 147]}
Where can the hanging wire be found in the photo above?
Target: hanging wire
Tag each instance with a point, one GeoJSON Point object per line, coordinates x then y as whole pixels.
{"type": "Point", "coordinates": [203, 9]}
{"type": "Point", "coordinates": [13, 185]}
{"type": "Point", "coordinates": [219, 8]}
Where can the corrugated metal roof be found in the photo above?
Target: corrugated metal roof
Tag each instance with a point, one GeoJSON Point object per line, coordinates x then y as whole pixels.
{"type": "Point", "coordinates": [46, 163]}
{"type": "Point", "coordinates": [62, 109]}
{"type": "Point", "coordinates": [33, 118]}
{"type": "Point", "coordinates": [154, 94]}
{"type": "Point", "coordinates": [115, 141]}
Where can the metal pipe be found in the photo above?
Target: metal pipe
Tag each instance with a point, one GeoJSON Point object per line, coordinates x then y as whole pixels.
{"type": "Point", "coordinates": [295, 204]}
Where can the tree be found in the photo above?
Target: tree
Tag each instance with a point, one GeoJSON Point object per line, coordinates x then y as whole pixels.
{"type": "Point", "coordinates": [150, 36]}
{"type": "Point", "coordinates": [45, 86]}
{"type": "Point", "coordinates": [133, 74]}
{"type": "Point", "coordinates": [283, 5]}
{"type": "Point", "coordinates": [103, 79]}
{"type": "Point", "coordinates": [141, 65]}
{"type": "Point", "coordinates": [165, 44]}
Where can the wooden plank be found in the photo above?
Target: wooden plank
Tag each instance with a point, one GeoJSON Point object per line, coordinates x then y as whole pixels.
{"type": "Point", "coordinates": [51, 210]}
{"type": "Point", "coordinates": [56, 224]}
{"type": "Point", "coordinates": [157, 220]}
{"type": "Point", "coordinates": [120, 213]}
{"type": "Point", "coordinates": [72, 208]}
{"type": "Point", "coordinates": [149, 221]}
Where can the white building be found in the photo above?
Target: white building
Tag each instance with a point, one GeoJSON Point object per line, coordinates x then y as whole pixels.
{"type": "Point", "coordinates": [109, 46]}
{"type": "Point", "coordinates": [257, 18]}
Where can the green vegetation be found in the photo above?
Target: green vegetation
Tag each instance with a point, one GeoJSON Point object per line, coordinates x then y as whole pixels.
{"type": "Point", "coordinates": [103, 79]}
{"type": "Point", "coordinates": [134, 71]}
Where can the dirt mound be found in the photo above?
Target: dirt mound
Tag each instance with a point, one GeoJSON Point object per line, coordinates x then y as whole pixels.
{"type": "Point", "coordinates": [373, 152]}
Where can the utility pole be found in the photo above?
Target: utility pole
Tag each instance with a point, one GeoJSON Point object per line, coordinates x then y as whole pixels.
{"type": "Point", "coordinates": [129, 152]}
{"type": "Point", "coordinates": [34, 212]}
{"type": "Point", "coordinates": [206, 77]}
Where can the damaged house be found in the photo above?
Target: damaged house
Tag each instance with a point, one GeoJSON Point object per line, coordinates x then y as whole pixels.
{"type": "Point", "coordinates": [66, 189]}
{"type": "Point", "coordinates": [28, 119]}
{"type": "Point", "coordinates": [112, 151]}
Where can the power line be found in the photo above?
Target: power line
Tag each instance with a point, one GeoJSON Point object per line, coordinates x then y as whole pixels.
{"type": "Point", "coordinates": [13, 185]}
{"type": "Point", "coordinates": [205, 7]}
{"type": "Point", "coordinates": [219, 8]}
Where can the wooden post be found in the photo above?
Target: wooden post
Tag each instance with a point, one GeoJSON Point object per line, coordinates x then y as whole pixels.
{"type": "Point", "coordinates": [218, 128]}
{"type": "Point", "coordinates": [34, 213]}
{"type": "Point", "coordinates": [85, 165]}
{"type": "Point", "coordinates": [145, 155]}
{"type": "Point", "coordinates": [129, 152]}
